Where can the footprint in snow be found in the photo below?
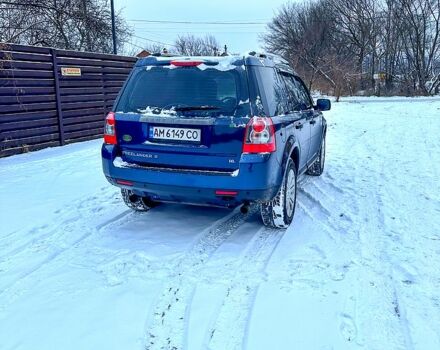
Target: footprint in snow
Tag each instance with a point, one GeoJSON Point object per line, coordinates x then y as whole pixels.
{"type": "Point", "coordinates": [339, 273]}
{"type": "Point", "coordinates": [347, 327]}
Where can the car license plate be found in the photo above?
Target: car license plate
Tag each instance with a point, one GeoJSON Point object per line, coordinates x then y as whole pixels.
{"type": "Point", "coordinates": [179, 134]}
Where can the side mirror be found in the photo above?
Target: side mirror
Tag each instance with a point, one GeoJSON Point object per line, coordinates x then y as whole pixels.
{"type": "Point", "coordinates": [323, 104]}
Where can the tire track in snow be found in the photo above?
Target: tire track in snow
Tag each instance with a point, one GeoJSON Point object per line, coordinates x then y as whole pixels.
{"type": "Point", "coordinates": [46, 233]}
{"type": "Point", "coordinates": [378, 272]}
{"type": "Point", "coordinates": [383, 245]}
{"type": "Point", "coordinates": [167, 327]}
{"type": "Point", "coordinates": [315, 202]}
{"type": "Point", "coordinates": [228, 330]}
{"type": "Point", "coordinates": [398, 307]}
{"type": "Point", "coordinates": [15, 288]}
{"type": "Point", "coordinates": [332, 207]}
{"type": "Point", "coordinates": [63, 221]}
{"type": "Point", "coordinates": [335, 217]}
{"type": "Point", "coordinates": [374, 283]}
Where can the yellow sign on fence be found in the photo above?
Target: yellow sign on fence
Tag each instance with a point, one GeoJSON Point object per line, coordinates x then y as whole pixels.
{"type": "Point", "coordinates": [70, 72]}
{"type": "Point", "coordinates": [380, 76]}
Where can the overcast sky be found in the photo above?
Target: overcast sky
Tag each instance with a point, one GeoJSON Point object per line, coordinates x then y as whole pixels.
{"type": "Point", "coordinates": [248, 17]}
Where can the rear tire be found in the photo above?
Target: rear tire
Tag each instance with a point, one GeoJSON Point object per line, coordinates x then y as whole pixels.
{"type": "Point", "coordinates": [279, 212]}
{"type": "Point", "coordinates": [136, 202]}
{"type": "Point", "coordinates": [317, 168]}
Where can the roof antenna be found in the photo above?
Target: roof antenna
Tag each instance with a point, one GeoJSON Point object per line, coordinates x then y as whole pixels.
{"type": "Point", "coordinates": [225, 53]}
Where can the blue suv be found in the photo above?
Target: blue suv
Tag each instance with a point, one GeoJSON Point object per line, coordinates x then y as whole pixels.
{"type": "Point", "coordinates": [216, 131]}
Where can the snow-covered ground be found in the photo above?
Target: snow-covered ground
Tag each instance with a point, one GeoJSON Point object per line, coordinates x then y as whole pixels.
{"type": "Point", "coordinates": [359, 268]}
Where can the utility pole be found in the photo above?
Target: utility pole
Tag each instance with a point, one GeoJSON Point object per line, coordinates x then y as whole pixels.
{"type": "Point", "coordinates": [87, 27]}
{"type": "Point", "coordinates": [115, 52]}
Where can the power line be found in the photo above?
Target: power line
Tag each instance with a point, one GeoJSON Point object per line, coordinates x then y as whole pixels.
{"type": "Point", "coordinates": [153, 41]}
{"type": "Point", "coordinates": [172, 31]}
{"type": "Point", "coordinates": [179, 27]}
{"type": "Point", "coordinates": [197, 22]}
{"type": "Point", "coordinates": [133, 44]}
{"type": "Point", "coordinates": [160, 42]}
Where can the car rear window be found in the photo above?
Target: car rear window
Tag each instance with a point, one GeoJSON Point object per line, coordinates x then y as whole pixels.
{"type": "Point", "coordinates": [166, 88]}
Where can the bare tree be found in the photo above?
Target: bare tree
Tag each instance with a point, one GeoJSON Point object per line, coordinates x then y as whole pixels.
{"type": "Point", "coordinates": [421, 20]}
{"type": "Point", "coordinates": [391, 38]}
{"type": "Point", "coordinates": [305, 35]}
{"type": "Point", "coordinates": [191, 45]}
{"type": "Point", "coordinates": [351, 44]}
{"type": "Point", "coordinates": [83, 25]}
{"type": "Point", "coordinates": [357, 23]}
{"type": "Point", "coordinates": [155, 48]}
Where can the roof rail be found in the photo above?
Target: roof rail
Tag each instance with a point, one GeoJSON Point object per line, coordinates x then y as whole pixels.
{"type": "Point", "coordinates": [277, 60]}
{"type": "Point", "coordinates": [257, 54]}
{"type": "Point", "coordinates": [270, 56]}
{"type": "Point", "coordinates": [162, 54]}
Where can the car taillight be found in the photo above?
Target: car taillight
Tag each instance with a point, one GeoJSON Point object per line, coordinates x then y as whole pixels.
{"type": "Point", "coordinates": [110, 129]}
{"type": "Point", "coordinates": [186, 63]}
{"type": "Point", "coordinates": [259, 136]}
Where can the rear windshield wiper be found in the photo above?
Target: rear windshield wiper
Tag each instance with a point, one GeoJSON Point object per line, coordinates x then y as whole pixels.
{"type": "Point", "coordinates": [195, 108]}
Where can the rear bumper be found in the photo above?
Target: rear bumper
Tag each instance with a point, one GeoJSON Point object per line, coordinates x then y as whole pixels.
{"type": "Point", "coordinates": [256, 179]}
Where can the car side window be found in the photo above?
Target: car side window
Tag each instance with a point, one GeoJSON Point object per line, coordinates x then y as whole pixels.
{"type": "Point", "coordinates": [303, 93]}
{"type": "Point", "coordinates": [282, 94]}
{"type": "Point", "coordinates": [294, 97]}
{"type": "Point", "coordinates": [274, 91]}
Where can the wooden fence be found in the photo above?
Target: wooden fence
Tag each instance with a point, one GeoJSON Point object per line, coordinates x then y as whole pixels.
{"type": "Point", "coordinates": [51, 97]}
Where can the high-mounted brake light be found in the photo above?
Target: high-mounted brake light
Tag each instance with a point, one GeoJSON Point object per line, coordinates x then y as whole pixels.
{"type": "Point", "coordinates": [186, 63]}
{"type": "Point", "coordinates": [110, 129]}
{"type": "Point", "coordinates": [259, 136]}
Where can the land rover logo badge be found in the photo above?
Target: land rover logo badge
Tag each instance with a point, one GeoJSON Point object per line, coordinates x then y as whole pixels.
{"type": "Point", "coordinates": [126, 138]}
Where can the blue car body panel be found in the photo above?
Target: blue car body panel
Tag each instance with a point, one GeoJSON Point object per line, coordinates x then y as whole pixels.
{"type": "Point", "coordinates": [187, 172]}
{"type": "Point", "coordinates": [253, 180]}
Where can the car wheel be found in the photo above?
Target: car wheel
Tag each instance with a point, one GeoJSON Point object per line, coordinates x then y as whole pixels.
{"type": "Point", "coordinates": [317, 168]}
{"type": "Point", "coordinates": [135, 202]}
{"type": "Point", "coordinates": [279, 212]}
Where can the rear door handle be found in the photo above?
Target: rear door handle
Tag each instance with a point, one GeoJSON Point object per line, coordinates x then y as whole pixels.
{"type": "Point", "coordinates": [298, 126]}
{"type": "Point", "coordinates": [313, 121]}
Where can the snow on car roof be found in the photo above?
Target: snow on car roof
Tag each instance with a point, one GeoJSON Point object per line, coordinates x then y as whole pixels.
{"type": "Point", "coordinates": [234, 60]}
{"type": "Point", "coordinates": [219, 62]}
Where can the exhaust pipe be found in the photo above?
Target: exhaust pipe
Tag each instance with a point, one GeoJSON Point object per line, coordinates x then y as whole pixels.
{"type": "Point", "coordinates": [133, 198]}
{"type": "Point", "coordinates": [245, 208]}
